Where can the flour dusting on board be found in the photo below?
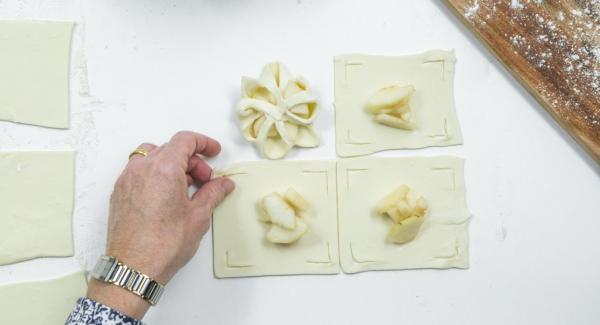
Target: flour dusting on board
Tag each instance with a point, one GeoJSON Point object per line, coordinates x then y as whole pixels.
{"type": "Point", "coordinates": [516, 4]}
{"type": "Point", "coordinates": [563, 46]}
{"type": "Point", "coordinates": [472, 9]}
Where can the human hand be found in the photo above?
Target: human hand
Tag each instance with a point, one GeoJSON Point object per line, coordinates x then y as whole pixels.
{"type": "Point", "coordinates": [154, 226]}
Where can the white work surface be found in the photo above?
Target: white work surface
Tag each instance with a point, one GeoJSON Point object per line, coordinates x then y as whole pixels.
{"type": "Point", "coordinates": [143, 69]}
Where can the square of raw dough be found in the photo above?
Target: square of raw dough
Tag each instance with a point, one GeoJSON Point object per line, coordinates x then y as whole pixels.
{"type": "Point", "coordinates": [357, 77]}
{"type": "Point", "coordinates": [34, 70]}
{"type": "Point", "coordinates": [42, 302]}
{"type": "Point", "coordinates": [442, 241]}
{"type": "Point", "coordinates": [240, 247]}
{"type": "Point", "coordinates": [36, 205]}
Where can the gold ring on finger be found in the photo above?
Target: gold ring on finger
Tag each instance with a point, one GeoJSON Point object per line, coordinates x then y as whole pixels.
{"type": "Point", "coordinates": [139, 151]}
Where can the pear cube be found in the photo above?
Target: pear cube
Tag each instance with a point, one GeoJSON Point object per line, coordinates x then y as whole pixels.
{"type": "Point", "coordinates": [280, 235]}
{"type": "Point", "coordinates": [279, 211]}
{"type": "Point", "coordinates": [393, 121]}
{"type": "Point", "coordinates": [407, 210]}
{"type": "Point", "coordinates": [389, 97]}
{"type": "Point", "coordinates": [390, 201]}
{"type": "Point", "coordinates": [405, 231]}
{"type": "Point", "coordinates": [296, 200]}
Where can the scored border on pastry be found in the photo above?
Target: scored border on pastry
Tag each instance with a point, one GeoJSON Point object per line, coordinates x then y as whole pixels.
{"type": "Point", "coordinates": [433, 117]}
{"type": "Point", "coordinates": [442, 241]}
{"type": "Point", "coordinates": [239, 244]}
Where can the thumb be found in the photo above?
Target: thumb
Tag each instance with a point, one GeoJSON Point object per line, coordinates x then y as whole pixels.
{"type": "Point", "coordinates": [212, 193]}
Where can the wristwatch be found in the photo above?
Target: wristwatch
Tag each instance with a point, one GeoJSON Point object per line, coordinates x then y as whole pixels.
{"type": "Point", "coordinates": [111, 270]}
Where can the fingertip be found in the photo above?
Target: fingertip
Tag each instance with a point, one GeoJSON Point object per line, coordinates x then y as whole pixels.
{"type": "Point", "coordinates": [200, 170]}
{"type": "Point", "coordinates": [213, 147]}
{"type": "Point", "coordinates": [212, 193]}
{"type": "Point", "coordinates": [228, 185]}
{"type": "Point", "coordinates": [190, 143]}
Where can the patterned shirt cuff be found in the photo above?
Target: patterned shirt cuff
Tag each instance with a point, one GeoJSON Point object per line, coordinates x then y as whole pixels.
{"type": "Point", "coordinates": [90, 312]}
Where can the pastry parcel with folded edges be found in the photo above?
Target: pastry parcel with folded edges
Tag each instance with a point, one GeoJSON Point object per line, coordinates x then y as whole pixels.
{"type": "Point", "coordinates": [276, 112]}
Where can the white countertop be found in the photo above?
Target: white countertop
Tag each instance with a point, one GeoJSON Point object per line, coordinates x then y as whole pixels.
{"type": "Point", "coordinates": [142, 70]}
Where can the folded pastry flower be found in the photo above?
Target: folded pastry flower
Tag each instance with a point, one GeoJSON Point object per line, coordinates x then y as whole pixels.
{"type": "Point", "coordinates": [276, 111]}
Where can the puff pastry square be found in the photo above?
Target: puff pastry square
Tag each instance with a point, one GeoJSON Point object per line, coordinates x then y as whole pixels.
{"type": "Point", "coordinates": [357, 77]}
{"type": "Point", "coordinates": [442, 241]}
{"type": "Point", "coordinates": [42, 302]}
{"type": "Point", "coordinates": [34, 65]}
{"type": "Point", "coordinates": [36, 204]}
{"type": "Point", "coordinates": [240, 247]}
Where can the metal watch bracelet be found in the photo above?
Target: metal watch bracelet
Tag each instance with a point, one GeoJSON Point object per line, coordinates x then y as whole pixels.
{"type": "Point", "coordinates": [111, 270]}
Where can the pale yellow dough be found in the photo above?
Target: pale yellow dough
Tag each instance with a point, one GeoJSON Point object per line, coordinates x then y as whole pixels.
{"type": "Point", "coordinates": [239, 244]}
{"type": "Point", "coordinates": [36, 205]}
{"type": "Point", "coordinates": [277, 111]}
{"type": "Point", "coordinates": [442, 240]}
{"type": "Point", "coordinates": [41, 303]}
{"type": "Point", "coordinates": [34, 72]}
{"type": "Point", "coordinates": [433, 119]}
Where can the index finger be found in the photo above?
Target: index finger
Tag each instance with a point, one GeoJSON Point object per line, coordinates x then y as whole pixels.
{"type": "Point", "coordinates": [188, 144]}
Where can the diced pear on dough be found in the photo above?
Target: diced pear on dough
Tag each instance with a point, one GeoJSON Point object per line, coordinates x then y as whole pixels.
{"type": "Point", "coordinates": [398, 111]}
{"type": "Point", "coordinates": [389, 201]}
{"type": "Point", "coordinates": [393, 121]}
{"type": "Point", "coordinates": [416, 204]}
{"type": "Point", "coordinates": [404, 209]}
{"type": "Point", "coordinates": [402, 111]}
{"type": "Point", "coordinates": [420, 207]}
{"type": "Point", "coordinates": [296, 200]}
{"type": "Point", "coordinates": [396, 216]}
{"type": "Point", "coordinates": [405, 231]}
{"type": "Point", "coordinates": [280, 235]}
{"type": "Point", "coordinates": [389, 96]}
{"type": "Point", "coordinates": [262, 213]}
{"type": "Point", "coordinates": [389, 111]}
{"type": "Point", "coordinates": [279, 211]}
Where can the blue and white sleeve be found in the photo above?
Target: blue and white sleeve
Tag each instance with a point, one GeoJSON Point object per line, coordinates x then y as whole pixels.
{"type": "Point", "coordinates": [90, 312]}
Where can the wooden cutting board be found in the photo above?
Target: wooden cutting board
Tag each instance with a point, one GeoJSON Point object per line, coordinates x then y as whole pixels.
{"type": "Point", "coordinates": [553, 48]}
